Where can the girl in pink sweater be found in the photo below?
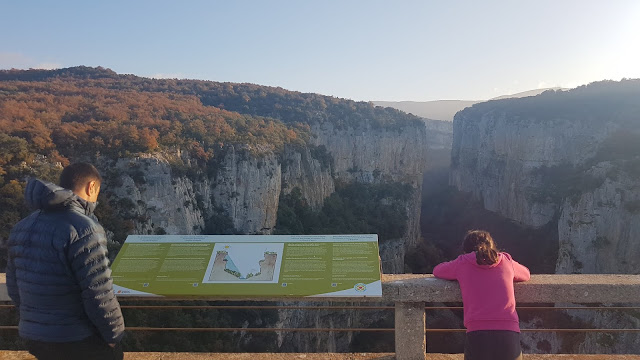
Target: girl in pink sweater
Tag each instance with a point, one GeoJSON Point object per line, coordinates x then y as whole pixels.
{"type": "Point", "coordinates": [486, 278]}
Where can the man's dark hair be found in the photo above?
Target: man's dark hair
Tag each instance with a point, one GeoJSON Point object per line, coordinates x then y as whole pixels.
{"type": "Point", "coordinates": [77, 175]}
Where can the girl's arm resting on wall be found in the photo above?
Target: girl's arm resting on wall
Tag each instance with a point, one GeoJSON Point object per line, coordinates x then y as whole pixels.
{"type": "Point", "coordinates": [520, 272]}
{"type": "Point", "coordinates": [446, 270]}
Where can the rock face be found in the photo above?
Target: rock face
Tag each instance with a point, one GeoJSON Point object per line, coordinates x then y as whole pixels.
{"type": "Point", "coordinates": [496, 156]}
{"type": "Point", "coordinates": [599, 231]}
{"type": "Point", "coordinates": [368, 154]}
{"type": "Point", "coordinates": [575, 164]}
{"type": "Point", "coordinates": [373, 154]}
{"type": "Point", "coordinates": [156, 199]}
{"type": "Point", "coordinates": [311, 175]}
{"type": "Point", "coordinates": [318, 342]}
{"type": "Point", "coordinates": [439, 134]}
{"type": "Point", "coordinates": [248, 189]}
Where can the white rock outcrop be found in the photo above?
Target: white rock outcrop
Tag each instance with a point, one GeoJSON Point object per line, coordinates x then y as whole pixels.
{"type": "Point", "coordinates": [248, 189]}
{"type": "Point", "coordinates": [313, 177]}
{"type": "Point", "coordinates": [496, 157]}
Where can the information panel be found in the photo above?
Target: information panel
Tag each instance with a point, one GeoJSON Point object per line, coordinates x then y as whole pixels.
{"type": "Point", "coordinates": [253, 265]}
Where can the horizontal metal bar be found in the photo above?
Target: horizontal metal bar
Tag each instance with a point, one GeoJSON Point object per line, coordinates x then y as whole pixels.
{"type": "Point", "coordinates": [547, 308]}
{"type": "Point", "coordinates": [187, 329]}
{"type": "Point", "coordinates": [548, 330]}
{"type": "Point", "coordinates": [577, 307]}
{"type": "Point", "coordinates": [265, 307]}
{"type": "Point", "coordinates": [242, 307]}
{"type": "Point", "coordinates": [277, 307]}
{"type": "Point", "coordinates": [142, 328]}
{"type": "Point", "coordinates": [580, 330]}
{"type": "Point", "coordinates": [362, 329]}
{"type": "Point", "coordinates": [263, 329]}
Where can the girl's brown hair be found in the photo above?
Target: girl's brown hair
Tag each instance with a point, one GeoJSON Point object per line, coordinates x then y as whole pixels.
{"type": "Point", "coordinates": [482, 243]}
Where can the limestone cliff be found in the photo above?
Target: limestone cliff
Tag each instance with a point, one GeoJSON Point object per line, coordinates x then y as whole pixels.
{"type": "Point", "coordinates": [165, 192]}
{"type": "Point", "coordinates": [149, 194]}
{"type": "Point", "coordinates": [579, 172]}
{"type": "Point", "coordinates": [247, 188]}
{"type": "Point", "coordinates": [569, 160]}
{"type": "Point", "coordinates": [315, 342]}
{"type": "Point", "coordinates": [599, 232]}
{"type": "Point", "coordinates": [599, 229]}
{"type": "Point", "coordinates": [370, 154]}
{"type": "Point", "coordinates": [496, 156]}
{"type": "Point", "coordinates": [312, 175]}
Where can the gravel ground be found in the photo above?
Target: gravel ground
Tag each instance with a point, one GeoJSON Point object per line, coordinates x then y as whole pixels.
{"type": "Point", "coordinates": [23, 355]}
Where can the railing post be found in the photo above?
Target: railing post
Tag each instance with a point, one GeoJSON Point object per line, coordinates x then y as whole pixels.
{"type": "Point", "coordinates": [410, 331]}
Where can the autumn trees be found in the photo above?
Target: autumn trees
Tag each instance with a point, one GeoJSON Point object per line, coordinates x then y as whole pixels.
{"type": "Point", "coordinates": [80, 117]}
{"type": "Point", "coordinates": [50, 117]}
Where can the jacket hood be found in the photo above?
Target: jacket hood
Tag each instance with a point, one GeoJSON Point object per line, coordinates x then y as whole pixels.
{"type": "Point", "coordinates": [43, 195]}
{"type": "Point", "coordinates": [471, 257]}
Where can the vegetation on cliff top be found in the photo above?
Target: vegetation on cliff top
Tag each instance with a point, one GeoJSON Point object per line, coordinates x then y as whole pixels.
{"type": "Point", "coordinates": [599, 101]}
{"type": "Point", "coordinates": [64, 119]}
{"type": "Point", "coordinates": [290, 107]}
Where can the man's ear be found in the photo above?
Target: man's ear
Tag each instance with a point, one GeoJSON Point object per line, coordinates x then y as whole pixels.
{"type": "Point", "coordinates": [86, 190]}
{"type": "Point", "coordinates": [92, 188]}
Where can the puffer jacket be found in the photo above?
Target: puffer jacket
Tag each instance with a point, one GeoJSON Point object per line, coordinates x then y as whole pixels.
{"type": "Point", "coordinates": [58, 272]}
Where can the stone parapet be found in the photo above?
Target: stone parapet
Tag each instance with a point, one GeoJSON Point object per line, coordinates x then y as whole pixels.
{"type": "Point", "coordinates": [585, 289]}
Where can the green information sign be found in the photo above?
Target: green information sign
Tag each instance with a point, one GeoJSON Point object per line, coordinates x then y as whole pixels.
{"type": "Point", "coordinates": [253, 265]}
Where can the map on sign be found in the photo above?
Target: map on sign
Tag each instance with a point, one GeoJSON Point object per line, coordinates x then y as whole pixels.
{"type": "Point", "coordinates": [251, 265]}
{"type": "Point", "coordinates": [237, 263]}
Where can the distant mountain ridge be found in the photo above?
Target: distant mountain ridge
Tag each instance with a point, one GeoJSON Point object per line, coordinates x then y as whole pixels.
{"type": "Point", "coordinates": [446, 109]}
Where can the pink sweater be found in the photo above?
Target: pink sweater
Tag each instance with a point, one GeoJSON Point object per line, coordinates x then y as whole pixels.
{"type": "Point", "coordinates": [487, 290]}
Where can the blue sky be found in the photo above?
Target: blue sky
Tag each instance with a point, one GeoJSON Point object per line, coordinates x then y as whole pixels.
{"type": "Point", "coordinates": [362, 50]}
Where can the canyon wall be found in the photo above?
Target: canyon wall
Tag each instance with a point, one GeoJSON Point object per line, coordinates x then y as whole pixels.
{"type": "Point", "coordinates": [570, 160]}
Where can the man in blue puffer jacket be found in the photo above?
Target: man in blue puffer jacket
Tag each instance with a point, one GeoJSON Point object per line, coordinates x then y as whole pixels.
{"type": "Point", "coordinates": [58, 272]}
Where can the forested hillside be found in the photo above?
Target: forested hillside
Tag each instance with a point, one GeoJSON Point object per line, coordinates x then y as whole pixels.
{"type": "Point", "coordinates": [288, 106]}
{"type": "Point", "coordinates": [50, 116]}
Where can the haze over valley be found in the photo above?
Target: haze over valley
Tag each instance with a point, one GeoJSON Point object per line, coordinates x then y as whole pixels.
{"type": "Point", "coordinates": [444, 110]}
